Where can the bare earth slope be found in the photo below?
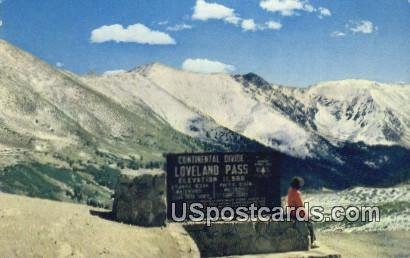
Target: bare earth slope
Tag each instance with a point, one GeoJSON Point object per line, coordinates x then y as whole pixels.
{"type": "Point", "coordinates": [369, 245]}
{"type": "Point", "coordinates": [353, 245]}
{"type": "Point", "coordinates": [41, 228]}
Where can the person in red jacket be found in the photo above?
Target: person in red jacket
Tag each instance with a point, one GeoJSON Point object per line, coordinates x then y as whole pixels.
{"type": "Point", "coordinates": [295, 201]}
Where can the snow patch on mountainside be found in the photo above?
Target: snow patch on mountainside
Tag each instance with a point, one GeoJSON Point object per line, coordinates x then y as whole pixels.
{"type": "Point", "coordinates": [224, 99]}
{"type": "Point", "coordinates": [132, 89]}
{"type": "Point", "coordinates": [359, 110]}
{"type": "Point", "coordinates": [393, 203]}
{"type": "Point", "coordinates": [340, 111]}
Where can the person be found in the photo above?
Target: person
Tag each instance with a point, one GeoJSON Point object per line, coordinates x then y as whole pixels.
{"type": "Point", "coordinates": [295, 201]}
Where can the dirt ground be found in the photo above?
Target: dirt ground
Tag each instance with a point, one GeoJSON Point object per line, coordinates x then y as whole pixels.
{"type": "Point", "coordinates": [40, 228]}
{"type": "Point", "coordinates": [352, 245]}
{"type": "Point", "coordinates": [368, 244]}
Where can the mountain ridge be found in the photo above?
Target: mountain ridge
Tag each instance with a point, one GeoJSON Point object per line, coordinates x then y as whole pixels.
{"type": "Point", "coordinates": [67, 137]}
{"type": "Point", "coordinates": [160, 65]}
{"type": "Point", "coordinates": [386, 134]}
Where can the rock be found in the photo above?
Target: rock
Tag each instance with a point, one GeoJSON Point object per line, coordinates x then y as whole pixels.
{"type": "Point", "coordinates": [140, 198]}
{"type": "Point", "coordinates": [238, 238]}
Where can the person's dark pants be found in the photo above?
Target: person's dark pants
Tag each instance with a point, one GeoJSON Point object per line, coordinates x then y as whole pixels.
{"type": "Point", "coordinates": [309, 225]}
{"type": "Point", "coordinates": [311, 231]}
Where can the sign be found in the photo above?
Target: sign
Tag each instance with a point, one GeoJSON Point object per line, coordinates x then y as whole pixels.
{"type": "Point", "coordinates": [222, 180]}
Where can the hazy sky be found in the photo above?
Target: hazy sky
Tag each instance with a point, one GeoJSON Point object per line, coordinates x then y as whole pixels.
{"type": "Point", "coordinates": [291, 42]}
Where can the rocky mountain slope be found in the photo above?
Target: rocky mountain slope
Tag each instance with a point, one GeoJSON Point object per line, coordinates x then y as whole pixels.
{"type": "Point", "coordinates": [224, 99]}
{"type": "Point", "coordinates": [297, 122]}
{"type": "Point", "coordinates": [61, 139]}
{"type": "Point", "coordinates": [50, 110]}
{"type": "Point", "coordinates": [131, 90]}
{"type": "Point", "coordinates": [293, 120]}
{"type": "Point", "coordinates": [66, 137]}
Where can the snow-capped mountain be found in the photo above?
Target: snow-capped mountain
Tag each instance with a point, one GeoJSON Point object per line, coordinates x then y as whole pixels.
{"type": "Point", "coordinates": [357, 110]}
{"type": "Point", "coordinates": [340, 111]}
{"type": "Point", "coordinates": [224, 99]}
{"type": "Point", "coordinates": [131, 90]}
{"type": "Point", "coordinates": [300, 122]}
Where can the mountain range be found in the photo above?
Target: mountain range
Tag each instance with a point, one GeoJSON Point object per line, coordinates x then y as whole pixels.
{"type": "Point", "coordinates": [66, 136]}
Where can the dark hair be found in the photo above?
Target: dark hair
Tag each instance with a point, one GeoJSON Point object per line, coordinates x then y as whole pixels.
{"type": "Point", "coordinates": [297, 182]}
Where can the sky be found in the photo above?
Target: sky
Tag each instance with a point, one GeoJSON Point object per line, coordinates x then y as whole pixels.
{"type": "Point", "coordinates": [289, 42]}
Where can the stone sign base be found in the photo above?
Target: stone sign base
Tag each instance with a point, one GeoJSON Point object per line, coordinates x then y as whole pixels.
{"type": "Point", "coordinates": [140, 198]}
{"type": "Point", "coordinates": [238, 238]}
